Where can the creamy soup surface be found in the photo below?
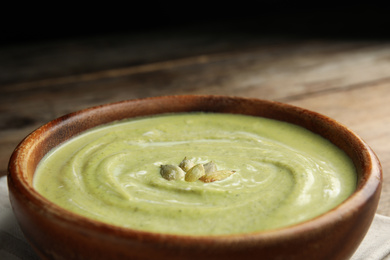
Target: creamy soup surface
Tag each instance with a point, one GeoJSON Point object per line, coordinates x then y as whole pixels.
{"type": "Point", "coordinates": [284, 174]}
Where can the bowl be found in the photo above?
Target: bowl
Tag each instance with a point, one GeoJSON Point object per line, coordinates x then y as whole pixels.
{"type": "Point", "coordinates": [56, 233]}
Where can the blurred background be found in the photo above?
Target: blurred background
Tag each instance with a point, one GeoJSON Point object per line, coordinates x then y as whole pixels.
{"type": "Point", "coordinates": [330, 57]}
{"type": "Point", "coordinates": [32, 22]}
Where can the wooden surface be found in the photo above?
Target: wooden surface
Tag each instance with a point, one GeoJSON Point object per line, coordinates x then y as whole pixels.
{"type": "Point", "coordinates": [348, 80]}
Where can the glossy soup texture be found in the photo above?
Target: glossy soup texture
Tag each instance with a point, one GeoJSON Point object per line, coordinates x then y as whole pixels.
{"type": "Point", "coordinates": [284, 174]}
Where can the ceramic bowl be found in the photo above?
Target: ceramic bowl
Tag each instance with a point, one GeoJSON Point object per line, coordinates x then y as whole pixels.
{"type": "Point", "coordinates": [56, 233]}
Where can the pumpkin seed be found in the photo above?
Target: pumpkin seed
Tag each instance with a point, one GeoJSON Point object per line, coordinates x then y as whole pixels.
{"type": "Point", "coordinates": [186, 164]}
{"type": "Point", "coordinates": [171, 172]}
{"type": "Point", "coordinates": [195, 173]}
{"type": "Point", "coordinates": [216, 176]}
{"type": "Point", "coordinates": [210, 167]}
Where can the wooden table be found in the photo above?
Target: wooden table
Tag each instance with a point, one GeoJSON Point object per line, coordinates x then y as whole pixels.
{"type": "Point", "coordinates": [348, 80]}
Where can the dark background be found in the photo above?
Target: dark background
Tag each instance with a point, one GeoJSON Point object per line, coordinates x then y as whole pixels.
{"type": "Point", "coordinates": [22, 24]}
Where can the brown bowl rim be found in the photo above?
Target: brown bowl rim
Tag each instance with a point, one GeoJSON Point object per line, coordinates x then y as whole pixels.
{"type": "Point", "coordinates": [366, 188]}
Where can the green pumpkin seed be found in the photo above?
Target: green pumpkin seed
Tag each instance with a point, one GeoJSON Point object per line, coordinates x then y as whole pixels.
{"type": "Point", "coordinates": [171, 172]}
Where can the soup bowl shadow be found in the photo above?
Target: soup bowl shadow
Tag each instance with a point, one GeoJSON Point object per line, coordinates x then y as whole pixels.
{"type": "Point", "coordinates": [56, 233]}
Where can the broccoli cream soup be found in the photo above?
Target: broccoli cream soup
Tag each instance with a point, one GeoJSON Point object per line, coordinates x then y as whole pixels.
{"type": "Point", "coordinates": [197, 174]}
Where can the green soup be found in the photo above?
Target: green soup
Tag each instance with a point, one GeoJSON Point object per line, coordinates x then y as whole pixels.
{"type": "Point", "coordinates": [284, 174]}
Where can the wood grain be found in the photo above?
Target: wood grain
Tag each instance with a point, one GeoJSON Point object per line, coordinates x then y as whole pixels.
{"type": "Point", "coordinates": [346, 80]}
